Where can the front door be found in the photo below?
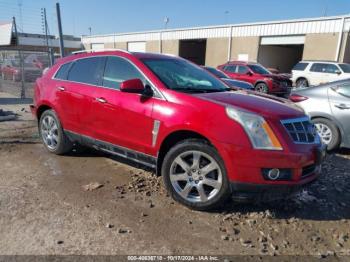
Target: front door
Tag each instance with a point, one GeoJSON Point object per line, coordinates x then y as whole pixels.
{"type": "Point", "coordinates": [122, 119]}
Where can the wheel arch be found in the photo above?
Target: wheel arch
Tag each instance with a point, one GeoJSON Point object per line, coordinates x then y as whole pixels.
{"type": "Point", "coordinates": [172, 139]}
{"type": "Point", "coordinates": [41, 109]}
{"type": "Point", "coordinates": [333, 120]}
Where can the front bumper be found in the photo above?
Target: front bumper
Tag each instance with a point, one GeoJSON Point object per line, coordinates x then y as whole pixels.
{"type": "Point", "coordinates": [244, 168]}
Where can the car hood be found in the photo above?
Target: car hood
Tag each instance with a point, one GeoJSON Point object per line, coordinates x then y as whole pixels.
{"type": "Point", "coordinates": [278, 77]}
{"type": "Point", "coordinates": [267, 106]}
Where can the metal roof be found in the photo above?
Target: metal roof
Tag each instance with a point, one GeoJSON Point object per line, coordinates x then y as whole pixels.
{"type": "Point", "coordinates": [332, 24]}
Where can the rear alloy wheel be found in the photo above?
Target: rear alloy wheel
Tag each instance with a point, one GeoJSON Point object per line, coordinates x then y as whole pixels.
{"type": "Point", "coordinates": [328, 132]}
{"type": "Point", "coordinates": [262, 87]}
{"type": "Point", "coordinates": [301, 83]}
{"type": "Point", "coordinates": [52, 134]}
{"type": "Point", "coordinates": [195, 176]}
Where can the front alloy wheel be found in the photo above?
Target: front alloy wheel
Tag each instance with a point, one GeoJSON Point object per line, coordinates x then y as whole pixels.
{"type": "Point", "coordinates": [194, 174]}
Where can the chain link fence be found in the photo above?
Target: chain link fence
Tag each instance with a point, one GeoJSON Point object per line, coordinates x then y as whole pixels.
{"type": "Point", "coordinates": [19, 71]}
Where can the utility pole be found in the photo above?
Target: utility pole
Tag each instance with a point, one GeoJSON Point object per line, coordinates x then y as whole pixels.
{"type": "Point", "coordinates": [58, 11]}
{"type": "Point", "coordinates": [23, 94]}
{"type": "Point", "coordinates": [90, 30]}
{"type": "Point", "coordinates": [47, 36]}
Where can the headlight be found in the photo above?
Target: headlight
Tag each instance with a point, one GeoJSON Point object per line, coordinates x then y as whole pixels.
{"type": "Point", "coordinates": [258, 130]}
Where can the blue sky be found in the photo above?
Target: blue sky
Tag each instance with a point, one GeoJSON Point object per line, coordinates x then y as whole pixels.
{"type": "Point", "coordinates": [108, 16]}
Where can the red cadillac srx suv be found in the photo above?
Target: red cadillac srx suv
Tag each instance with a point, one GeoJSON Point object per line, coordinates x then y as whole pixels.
{"type": "Point", "coordinates": [261, 78]}
{"type": "Point", "coordinates": [207, 142]}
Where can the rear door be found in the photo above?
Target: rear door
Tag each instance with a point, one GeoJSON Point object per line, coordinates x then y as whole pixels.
{"type": "Point", "coordinates": [339, 98]}
{"type": "Point", "coordinates": [120, 118]}
{"type": "Point", "coordinates": [230, 70]}
{"type": "Point", "coordinates": [76, 93]}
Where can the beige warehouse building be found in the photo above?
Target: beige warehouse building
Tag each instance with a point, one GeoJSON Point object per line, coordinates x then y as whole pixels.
{"type": "Point", "coordinates": [277, 44]}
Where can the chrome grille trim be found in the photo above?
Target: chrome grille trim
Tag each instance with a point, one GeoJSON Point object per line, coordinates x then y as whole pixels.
{"type": "Point", "coordinates": [301, 130]}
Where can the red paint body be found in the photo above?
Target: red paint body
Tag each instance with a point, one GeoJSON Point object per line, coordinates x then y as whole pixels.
{"type": "Point", "coordinates": [126, 119]}
{"type": "Point", "coordinates": [277, 84]}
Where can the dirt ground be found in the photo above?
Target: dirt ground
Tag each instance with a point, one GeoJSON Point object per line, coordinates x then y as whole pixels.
{"type": "Point", "coordinates": [45, 208]}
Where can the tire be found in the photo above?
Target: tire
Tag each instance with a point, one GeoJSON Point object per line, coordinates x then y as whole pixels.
{"type": "Point", "coordinates": [328, 132]}
{"type": "Point", "coordinates": [185, 187]}
{"type": "Point", "coordinates": [262, 87]}
{"type": "Point", "coordinates": [52, 134]}
{"type": "Point", "coordinates": [302, 82]}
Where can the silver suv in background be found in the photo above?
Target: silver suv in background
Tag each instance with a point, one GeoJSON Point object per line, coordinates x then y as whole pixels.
{"type": "Point", "coordinates": [328, 106]}
{"type": "Point", "coordinates": [312, 73]}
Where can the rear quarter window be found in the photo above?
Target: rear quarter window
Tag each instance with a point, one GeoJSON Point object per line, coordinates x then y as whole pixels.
{"type": "Point", "coordinates": [62, 72]}
{"type": "Point", "coordinates": [300, 66]}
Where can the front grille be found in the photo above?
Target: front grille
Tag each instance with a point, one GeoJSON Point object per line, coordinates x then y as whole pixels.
{"type": "Point", "coordinates": [301, 130]}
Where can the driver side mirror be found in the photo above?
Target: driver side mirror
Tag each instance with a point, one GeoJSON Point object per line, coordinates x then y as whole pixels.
{"type": "Point", "coordinates": [249, 73]}
{"type": "Point", "coordinates": [338, 72]}
{"type": "Point", "coordinates": [132, 86]}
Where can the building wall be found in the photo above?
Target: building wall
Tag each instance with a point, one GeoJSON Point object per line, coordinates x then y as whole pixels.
{"type": "Point", "coordinates": [152, 46]}
{"type": "Point", "coordinates": [245, 45]}
{"type": "Point", "coordinates": [109, 45]}
{"type": "Point", "coordinates": [170, 47]}
{"type": "Point", "coordinates": [345, 49]}
{"type": "Point", "coordinates": [216, 51]}
{"type": "Point", "coordinates": [320, 46]}
{"type": "Point", "coordinates": [121, 45]}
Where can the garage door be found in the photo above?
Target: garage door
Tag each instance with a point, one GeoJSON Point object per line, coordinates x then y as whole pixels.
{"type": "Point", "coordinates": [137, 46]}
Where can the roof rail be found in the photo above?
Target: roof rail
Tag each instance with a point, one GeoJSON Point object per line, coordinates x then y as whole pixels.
{"type": "Point", "coordinates": [99, 50]}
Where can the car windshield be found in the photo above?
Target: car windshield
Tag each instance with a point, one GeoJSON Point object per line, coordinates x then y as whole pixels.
{"type": "Point", "coordinates": [216, 72]}
{"type": "Point", "coordinates": [345, 67]}
{"type": "Point", "coordinates": [258, 69]}
{"type": "Point", "coordinates": [183, 76]}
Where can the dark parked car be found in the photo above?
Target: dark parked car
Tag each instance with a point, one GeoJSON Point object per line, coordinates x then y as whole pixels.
{"type": "Point", "coordinates": [235, 84]}
{"type": "Point", "coordinates": [329, 108]}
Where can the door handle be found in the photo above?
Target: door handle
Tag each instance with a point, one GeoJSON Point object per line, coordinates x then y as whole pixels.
{"type": "Point", "coordinates": [342, 106]}
{"type": "Point", "coordinates": [61, 88]}
{"type": "Point", "coordinates": [101, 100]}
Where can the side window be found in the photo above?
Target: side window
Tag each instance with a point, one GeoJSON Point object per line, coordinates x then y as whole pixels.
{"type": "Point", "coordinates": [300, 66]}
{"type": "Point", "coordinates": [242, 70]}
{"type": "Point", "coordinates": [62, 72]}
{"type": "Point", "coordinates": [118, 70]}
{"type": "Point", "coordinates": [319, 68]}
{"type": "Point", "coordinates": [343, 90]}
{"type": "Point", "coordinates": [87, 70]}
{"type": "Point", "coordinates": [333, 69]}
{"type": "Point", "coordinates": [230, 68]}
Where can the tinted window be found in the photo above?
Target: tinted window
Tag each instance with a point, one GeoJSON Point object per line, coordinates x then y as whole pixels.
{"type": "Point", "coordinates": [87, 70]}
{"type": "Point", "coordinates": [62, 72]}
{"type": "Point", "coordinates": [345, 68]}
{"type": "Point", "coordinates": [343, 90]}
{"type": "Point", "coordinates": [300, 66]}
{"type": "Point", "coordinates": [324, 68]}
{"type": "Point", "coordinates": [230, 68]}
{"type": "Point", "coordinates": [242, 70]}
{"type": "Point", "coordinates": [118, 70]}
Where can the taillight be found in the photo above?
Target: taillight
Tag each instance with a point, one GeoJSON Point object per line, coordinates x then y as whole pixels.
{"type": "Point", "coordinates": [297, 98]}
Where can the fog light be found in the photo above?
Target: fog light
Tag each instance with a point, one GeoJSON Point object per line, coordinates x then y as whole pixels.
{"type": "Point", "coordinates": [273, 174]}
{"type": "Point", "coordinates": [277, 174]}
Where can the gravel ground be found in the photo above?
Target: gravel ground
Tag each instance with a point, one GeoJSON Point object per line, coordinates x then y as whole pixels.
{"type": "Point", "coordinates": [92, 203]}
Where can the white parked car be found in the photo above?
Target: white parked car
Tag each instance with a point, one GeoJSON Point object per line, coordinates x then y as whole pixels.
{"type": "Point", "coordinates": [311, 73]}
